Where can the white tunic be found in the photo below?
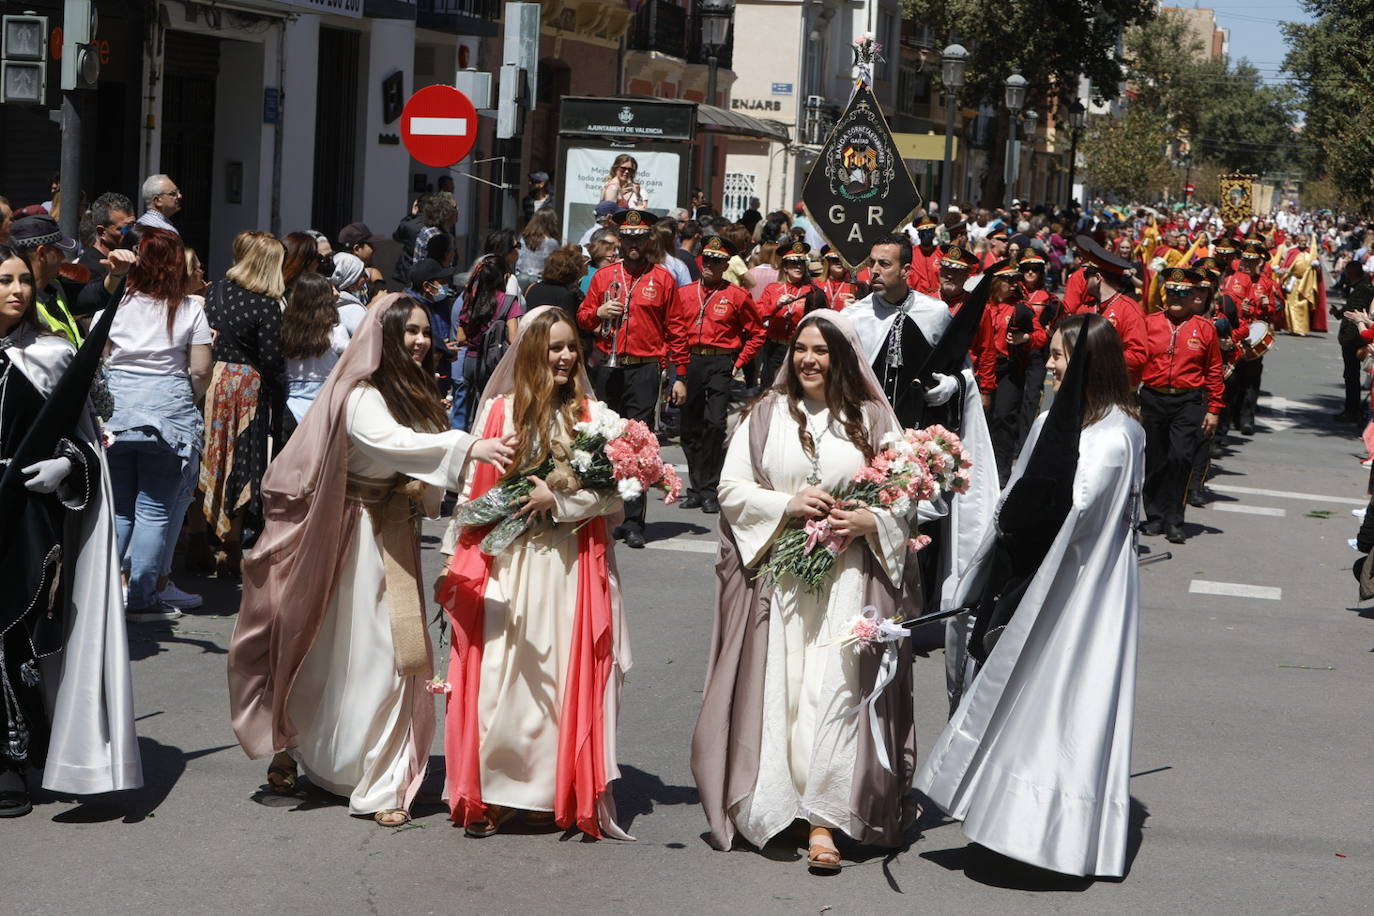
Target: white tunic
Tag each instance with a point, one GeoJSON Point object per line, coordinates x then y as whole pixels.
{"type": "Point", "coordinates": [1036, 759]}
{"type": "Point", "coordinates": [807, 756]}
{"type": "Point", "coordinates": [352, 709]}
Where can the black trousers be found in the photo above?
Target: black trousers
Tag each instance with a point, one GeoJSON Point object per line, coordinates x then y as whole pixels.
{"type": "Point", "coordinates": [1173, 428]}
{"type": "Point", "coordinates": [772, 354]}
{"type": "Point", "coordinates": [1246, 378]}
{"type": "Point", "coordinates": [632, 392]}
{"type": "Point", "coordinates": [1035, 389]}
{"type": "Point", "coordinates": [1202, 463]}
{"type": "Point", "coordinates": [1354, 391]}
{"type": "Point", "coordinates": [703, 420]}
{"type": "Point", "coordinates": [1006, 418]}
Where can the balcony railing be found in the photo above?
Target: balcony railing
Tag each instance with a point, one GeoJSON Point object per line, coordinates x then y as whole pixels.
{"type": "Point", "coordinates": [444, 14]}
{"type": "Point", "coordinates": [665, 27]}
{"type": "Point", "coordinates": [661, 26]}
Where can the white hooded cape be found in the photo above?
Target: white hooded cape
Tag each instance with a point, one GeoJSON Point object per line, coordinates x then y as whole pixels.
{"type": "Point", "coordinates": [1036, 759]}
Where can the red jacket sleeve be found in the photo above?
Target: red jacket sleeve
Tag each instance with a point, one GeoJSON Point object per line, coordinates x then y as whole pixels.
{"type": "Point", "coordinates": [1074, 291]}
{"type": "Point", "coordinates": [1130, 325]}
{"type": "Point", "coordinates": [676, 328]}
{"type": "Point", "coordinates": [751, 326]}
{"type": "Point", "coordinates": [586, 312]}
{"type": "Point", "coordinates": [984, 353]}
{"type": "Point", "coordinates": [1216, 384]}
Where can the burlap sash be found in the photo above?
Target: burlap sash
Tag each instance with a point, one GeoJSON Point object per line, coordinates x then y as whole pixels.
{"type": "Point", "coordinates": [390, 505]}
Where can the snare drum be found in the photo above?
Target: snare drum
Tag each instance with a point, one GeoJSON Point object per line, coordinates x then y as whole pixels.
{"type": "Point", "coordinates": [1259, 340]}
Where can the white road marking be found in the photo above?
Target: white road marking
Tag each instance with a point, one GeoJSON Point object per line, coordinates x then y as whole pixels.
{"type": "Point", "coordinates": [1248, 510]}
{"type": "Point", "coordinates": [1277, 424]}
{"type": "Point", "coordinates": [683, 546]}
{"type": "Point", "coordinates": [1235, 590]}
{"type": "Point", "coordinates": [1274, 402]}
{"type": "Point", "coordinates": [1286, 494]}
{"type": "Point", "coordinates": [443, 127]}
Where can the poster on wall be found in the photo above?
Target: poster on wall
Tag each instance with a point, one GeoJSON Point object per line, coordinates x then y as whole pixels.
{"type": "Point", "coordinates": [588, 179]}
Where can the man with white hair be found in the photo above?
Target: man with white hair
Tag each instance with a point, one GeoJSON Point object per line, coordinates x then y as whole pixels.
{"type": "Point", "coordinates": [161, 201]}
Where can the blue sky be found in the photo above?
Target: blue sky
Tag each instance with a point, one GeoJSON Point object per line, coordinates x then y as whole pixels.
{"type": "Point", "coordinates": [1255, 33]}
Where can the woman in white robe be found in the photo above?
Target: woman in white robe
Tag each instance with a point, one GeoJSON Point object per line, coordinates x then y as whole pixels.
{"type": "Point", "coordinates": [354, 715]}
{"type": "Point", "coordinates": [539, 649]}
{"type": "Point", "coordinates": [66, 695]}
{"type": "Point", "coordinates": [778, 738]}
{"type": "Point", "coordinates": [1036, 759]}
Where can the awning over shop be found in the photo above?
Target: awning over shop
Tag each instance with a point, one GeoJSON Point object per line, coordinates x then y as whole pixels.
{"type": "Point", "coordinates": [721, 121]}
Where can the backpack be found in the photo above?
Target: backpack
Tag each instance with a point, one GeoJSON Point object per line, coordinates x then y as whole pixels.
{"type": "Point", "coordinates": [494, 343]}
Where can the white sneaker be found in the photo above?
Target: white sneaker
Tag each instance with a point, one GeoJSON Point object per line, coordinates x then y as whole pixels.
{"type": "Point", "coordinates": [1368, 462]}
{"type": "Point", "coordinates": [1358, 513]}
{"type": "Point", "coordinates": [157, 612]}
{"type": "Point", "coordinates": [177, 598]}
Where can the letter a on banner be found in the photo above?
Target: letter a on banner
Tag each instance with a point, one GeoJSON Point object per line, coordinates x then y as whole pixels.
{"type": "Point", "coordinates": [859, 186]}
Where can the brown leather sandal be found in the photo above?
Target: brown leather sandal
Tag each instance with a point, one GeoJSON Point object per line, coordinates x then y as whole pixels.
{"type": "Point", "coordinates": [823, 855]}
{"type": "Point", "coordinates": [392, 817]}
{"type": "Point", "coordinates": [281, 775]}
{"type": "Point", "coordinates": [489, 825]}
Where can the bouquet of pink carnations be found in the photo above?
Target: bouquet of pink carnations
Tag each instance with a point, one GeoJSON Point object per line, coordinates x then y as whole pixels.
{"type": "Point", "coordinates": [607, 453]}
{"type": "Point", "coordinates": [912, 465]}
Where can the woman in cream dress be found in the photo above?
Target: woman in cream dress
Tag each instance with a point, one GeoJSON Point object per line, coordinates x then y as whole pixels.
{"type": "Point", "coordinates": [781, 736]}
{"type": "Point", "coordinates": [539, 648]}
{"type": "Point", "coordinates": [330, 656]}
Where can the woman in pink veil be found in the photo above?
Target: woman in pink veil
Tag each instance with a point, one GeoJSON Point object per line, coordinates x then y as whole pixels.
{"type": "Point", "coordinates": [539, 649]}
{"type": "Point", "coordinates": [329, 658]}
{"type": "Point", "coordinates": [785, 733]}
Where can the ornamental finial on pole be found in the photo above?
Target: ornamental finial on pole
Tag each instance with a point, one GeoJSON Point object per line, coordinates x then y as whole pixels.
{"type": "Point", "coordinates": [867, 52]}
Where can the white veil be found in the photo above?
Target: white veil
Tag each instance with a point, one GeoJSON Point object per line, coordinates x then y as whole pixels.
{"type": "Point", "coordinates": [873, 390]}
{"type": "Point", "coordinates": [502, 381]}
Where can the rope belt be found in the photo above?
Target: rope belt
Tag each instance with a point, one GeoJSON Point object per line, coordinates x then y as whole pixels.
{"type": "Point", "coordinates": [390, 506]}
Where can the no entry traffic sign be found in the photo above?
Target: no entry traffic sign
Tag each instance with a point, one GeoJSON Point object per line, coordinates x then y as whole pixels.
{"type": "Point", "coordinates": [439, 126]}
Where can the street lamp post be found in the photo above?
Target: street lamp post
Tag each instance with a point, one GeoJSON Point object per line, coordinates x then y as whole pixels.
{"type": "Point", "coordinates": [1032, 118]}
{"type": "Point", "coordinates": [715, 25]}
{"type": "Point", "coordinates": [1016, 100]}
{"type": "Point", "coordinates": [955, 58]}
{"type": "Point", "coordinates": [1078, 116]}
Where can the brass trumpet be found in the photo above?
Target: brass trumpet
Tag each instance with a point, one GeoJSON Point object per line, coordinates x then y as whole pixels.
{"type": "Point", "coordinates": [610, 327]}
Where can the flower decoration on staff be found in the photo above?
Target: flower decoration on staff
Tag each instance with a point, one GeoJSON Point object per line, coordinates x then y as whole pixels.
{"type": "Point", "coordinates": [607, 453]}
{"type": "Point", "coordinates": [867, 52]}
{"type": "Point", "coordinates": [868, 629]}
{"type": "Point", "coordinates": [913, 465]}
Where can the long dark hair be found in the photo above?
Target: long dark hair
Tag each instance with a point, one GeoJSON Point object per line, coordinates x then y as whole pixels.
{"type": "Point", "coordinates": [1110, 384]}
{"type": "Point", "coordinates": [160, 271]}
{"type": "Point", "coordinates": [309, 318]}
{"type": "Point", "coordinates": [30, 316]}
{"type": "Point", "coordinates": [537, 399]}
{"type": "Point", "coordinates": [487, 278]}
{"type": "Point", "coordinates": [844, 392]}
{"type": "Point", "coordinates": [302, 256]}
{"type": "Point", "coordinates": [407, 387]}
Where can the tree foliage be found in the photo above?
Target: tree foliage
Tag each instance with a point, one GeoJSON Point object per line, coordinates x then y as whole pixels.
{"type": "Point", "coordinates": [1228, 114]}
{"type": "Point", "coordinates": [1333, 61]}
{"type": "Point", "coordinates": [1125, 155]}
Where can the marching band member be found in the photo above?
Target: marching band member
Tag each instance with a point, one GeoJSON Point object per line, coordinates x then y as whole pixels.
{"type": "Point", "coordinates": [1180, 400]}
{"type": "Point", "coordinates": [956, 263]}
{"type": "Point", "coordinates": [924, 273]}
{"type": "Point", "coordinates": [1048, 310]}
{"type": "Point", "coordinates": [713, 329]}
{"type": "Point", "coordinates": [627, 303]}
{"type": "Point", "coordinates": [1105, 278]}
{"type": "Point", "coordinates": [837, 285]}
{"type": "Point", "coordinates": [1009, 333]}
{"type": "Point", "coordinates": [782, 304]}
{"type": "Point", "coordinates": [1259, 305]}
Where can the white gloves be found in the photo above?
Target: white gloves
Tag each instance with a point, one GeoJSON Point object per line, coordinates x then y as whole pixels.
{"type": "Point", "coordinates": [47, 476]}
{"type": "Point", "coordinates": [945, 387]}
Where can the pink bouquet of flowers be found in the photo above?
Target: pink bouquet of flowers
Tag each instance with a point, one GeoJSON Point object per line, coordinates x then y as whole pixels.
{"type": "Point", "coordinates": [913, 465]}
{"type": "Point", "coordinates": [607, 453]}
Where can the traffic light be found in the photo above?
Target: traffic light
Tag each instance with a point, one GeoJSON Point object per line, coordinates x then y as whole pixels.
{"type": "Point", "coordinates": [80, 61]}
{"type": "Point", "coordinates": [24, 67]}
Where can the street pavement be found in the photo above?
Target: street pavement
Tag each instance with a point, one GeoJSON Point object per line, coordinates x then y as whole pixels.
{"type": "Point", "coordinates": [1251, 786]}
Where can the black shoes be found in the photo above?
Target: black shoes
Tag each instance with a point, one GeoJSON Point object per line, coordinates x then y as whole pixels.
{"type": "Point", "coordinates": [691, 501]}
{"type": "Point", "coordinates": [1175, 535]}
{"type": "Point", "coordinates": [1152, 529]}
{"type": "Point", "coordinates": [1248, 429]}
{"type": "Point", "coordinates": [1196, 499]}
{"type": "Point", "coordinates": [709, 504]}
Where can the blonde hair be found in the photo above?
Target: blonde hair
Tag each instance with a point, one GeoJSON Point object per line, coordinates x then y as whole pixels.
{"type": "Point", "coordinates": [258, 267]}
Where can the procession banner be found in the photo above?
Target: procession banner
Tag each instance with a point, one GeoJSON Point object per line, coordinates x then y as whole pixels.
{"type": "Point", "coordinates": [859, 189]}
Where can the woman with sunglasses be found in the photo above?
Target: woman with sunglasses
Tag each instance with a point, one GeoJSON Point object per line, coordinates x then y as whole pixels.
{"type": "Point", "coordinates": [621, 186]}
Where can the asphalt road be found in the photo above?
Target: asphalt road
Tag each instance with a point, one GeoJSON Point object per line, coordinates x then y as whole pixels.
{"type": "Point", "coordinates": [1252, 789]}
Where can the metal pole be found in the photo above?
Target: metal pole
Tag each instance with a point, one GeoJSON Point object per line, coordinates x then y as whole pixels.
{"type": "Point", "coordinates": [1009, 167]}
{"type": "Point", "coordinates": [1073, 165]}
{"type": "Point", "coordinates": [709, 147]}
{"type": "Point", "coordinates": [70, 218]}
{"type": "Point", "coordinates": [947, 175]}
